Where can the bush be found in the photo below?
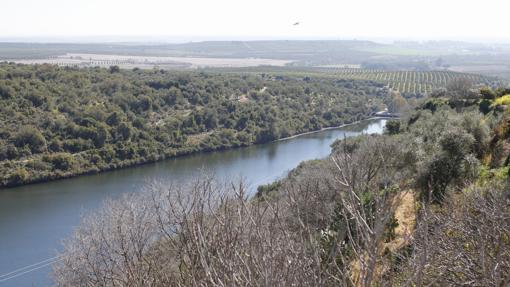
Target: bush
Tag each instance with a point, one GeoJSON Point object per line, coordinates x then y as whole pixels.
{"type": "Point", "coordinates": [31, 137]}
{"type": "Point", "coordinates": [487, 93]}
{"type": "Point", "coordinates": [8, 152]}
{"type": "Point", "coordinates": [449, 165]}
{"type": "Point", "coordinates": [392, 127]}
{"type": "Point", "coordinates": [19, 176]}
{"type": "Point", "coordinates": [434, 104]}
{"type": "Point", "coordinates": [61, 161]}
{"type": "Point", "coordinates": [485, 106]}
{"type": "Point", "coordinates": [266, 189]}
{"type": "Point", "coordinates": [504, 100]}
{"type": "Point", "coordinates": [6, 92]}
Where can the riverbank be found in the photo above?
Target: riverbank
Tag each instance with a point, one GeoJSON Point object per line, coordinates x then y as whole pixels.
{"type": "Point", "coordinates": [178, 153]}
{"type": "Point", "coordinates": [52, 210]}
{"type": "Point", "coordinates": [330, 128]}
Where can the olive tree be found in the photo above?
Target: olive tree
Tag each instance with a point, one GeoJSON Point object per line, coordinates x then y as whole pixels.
{"type": "Point", "coordinates": [451, 164]}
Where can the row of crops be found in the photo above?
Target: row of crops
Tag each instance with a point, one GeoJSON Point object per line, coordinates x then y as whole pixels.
{"type": "Point", "coordinates": [408, 82]}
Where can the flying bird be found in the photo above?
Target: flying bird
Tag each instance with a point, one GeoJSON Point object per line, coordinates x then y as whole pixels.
{"type": "Point", "coordinates": [295, 24]}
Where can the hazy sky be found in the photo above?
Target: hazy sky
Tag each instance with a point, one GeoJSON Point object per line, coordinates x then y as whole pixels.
{"type": "Point", "coordinates": [433, 19]}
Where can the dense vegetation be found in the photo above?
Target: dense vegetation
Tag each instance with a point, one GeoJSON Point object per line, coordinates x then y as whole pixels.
{"type": "Point", "coordinates": [409, 83]}
{"type": "Point", "coordinates": [59, 122]}
{"type": "Point", "coordinates": [427, 203]}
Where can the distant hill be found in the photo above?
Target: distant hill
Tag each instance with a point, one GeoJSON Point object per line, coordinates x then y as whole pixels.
{"type": "Point", "coordinates": [491, 60]}
{"type": "Point", "coordinates": [230, 49]}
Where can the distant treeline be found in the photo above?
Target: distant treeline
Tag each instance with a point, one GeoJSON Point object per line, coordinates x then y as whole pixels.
{"type": "Point", "coordinates": [410, 83]}
{"type": "Point", "coordinates": [59, 122]}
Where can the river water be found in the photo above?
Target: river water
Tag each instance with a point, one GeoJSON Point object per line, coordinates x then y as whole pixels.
{"type": "Point", "coordinates": [35, 218]}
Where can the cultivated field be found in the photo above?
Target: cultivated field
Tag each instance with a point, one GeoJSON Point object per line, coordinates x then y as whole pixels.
{"type": "Point", "coordinates": [409, 82]}
{"type": "Point", "coordinates": [149, 62]}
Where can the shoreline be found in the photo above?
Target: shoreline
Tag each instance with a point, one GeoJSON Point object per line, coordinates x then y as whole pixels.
{"type": "Point", "coordinates": [110, 169]}
{"type": "Point", "coordinates": [329, 128]}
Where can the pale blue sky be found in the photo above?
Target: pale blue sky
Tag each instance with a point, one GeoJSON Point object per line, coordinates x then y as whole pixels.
{"type": "Point", "coordinates": [438, 19]}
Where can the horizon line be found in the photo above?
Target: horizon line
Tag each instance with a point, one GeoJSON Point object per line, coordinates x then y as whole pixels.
{"type": "Point", "coordinates": [176, 39]}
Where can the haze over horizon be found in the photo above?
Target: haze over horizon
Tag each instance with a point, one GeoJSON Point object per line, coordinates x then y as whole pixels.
{"type": "Point", "coordinates": [163, 21]}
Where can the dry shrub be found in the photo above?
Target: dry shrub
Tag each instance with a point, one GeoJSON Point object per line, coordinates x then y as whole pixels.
{"type": "Point", "coordinates": [464, 243]}
{"type": "Point", "coordinates": [208, 233]}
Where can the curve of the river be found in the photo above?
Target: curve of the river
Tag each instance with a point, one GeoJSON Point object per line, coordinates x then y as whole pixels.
{"type": "Point", "coordinates": [35, 218]}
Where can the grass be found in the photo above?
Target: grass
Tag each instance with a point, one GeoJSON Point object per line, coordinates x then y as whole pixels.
{"type": "Point", "coordinates": [487, 174]}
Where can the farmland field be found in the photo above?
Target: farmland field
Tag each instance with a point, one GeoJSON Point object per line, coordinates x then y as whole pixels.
{"type": "Point", "coordinates": [409, 82]}
{"type": "Point", "coordinates": [149, 62]}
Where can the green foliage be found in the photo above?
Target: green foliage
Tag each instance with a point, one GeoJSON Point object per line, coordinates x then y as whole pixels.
{"type": "Point", "coordinates": [18, 176]}
{"type": "Point", "coordinates": [266, 189]}
{"type": "Point", "coordinates": [448, 144]}
{"type": "Point", "coordinates": [487, 174]}
{"type": "Point", "coordinates": [60, 161]}
{"type": "Point", "coordinates": [392, 127]}
{"type": "Point", "coordinates": [6, 91]}
{"type": "Point", "coordinates": [31, 137]}
{"type": "Point", "coordinates": [389, 230]}
{"type": "Point", "coordinates": [485, 106]}
{"type": "Point", "coordinates": [110, 118]}
{"type": "Point", "coordinates": [397, 103]}
{"type": "Point", "coordinates": [114, 69]}
{"type": "Point", "coordinates": [504, 100]}
{"type": "Point", "coordinates": [487, 93]}
{"type": "Point", "coordinates": [434, 104]}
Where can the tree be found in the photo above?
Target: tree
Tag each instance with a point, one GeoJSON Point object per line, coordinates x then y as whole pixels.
{"type": "Point", "coordinates": [398, 103]}
{"type": "Point", "coordinates": [447, 166]}
{"type": "Point", "coordinates": [367, 175]}
{"type": "Point", "coordinates": [168, 236]}
{"type": "Point", "coordinates": [100, 136]}
{"type": "Point", "coordinates": [124, 131]}
{"type": "Point", "coordinates": [174, 96]}
{"type": "Point", "coordinates": [61, 161]}
{"type": "Point", "coordinates": [460, 88]}
{"type": "Point", "coordinates": [211, 119]}
{"type": "Point", "coordinates": [6, 91]}
{"type": "Point", "coordinates": [19, 176]}
{"type": "Point", "coordinates": [392, 127]}
{"type": "Point", "coordinates": [37, 98]}
{"type": "Point", "coordinates": [487, 93]}
{"type": "Point", "coordinates": [8, 151]}
{"type": "Point", "coordinates": [327, 215]}
{"type": "Point", "coordinates": [31, 137]}
{"type": "Point", "coordinates": [113, 119]}
{"type": "Point", "coordinates": [114, 69]}
{"type": "Point", "coordinates": [145, 103]}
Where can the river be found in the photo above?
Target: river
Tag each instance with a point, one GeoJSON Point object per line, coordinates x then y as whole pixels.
{"type": "Point", "coordinates": [35, 218]}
